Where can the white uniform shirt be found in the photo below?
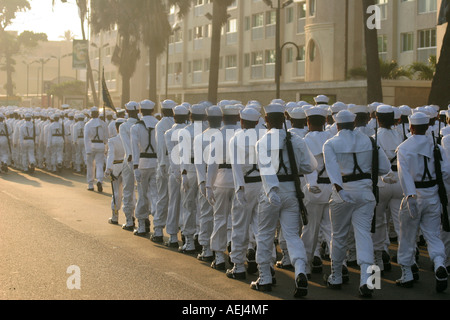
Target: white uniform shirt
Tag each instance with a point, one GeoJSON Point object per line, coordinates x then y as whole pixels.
{"type": "Point", "coordinates": [161, 150]}
{"type": "Point", "coordinates": [95, 135]}
{"type": "Point", "coordinates": [140, 142]}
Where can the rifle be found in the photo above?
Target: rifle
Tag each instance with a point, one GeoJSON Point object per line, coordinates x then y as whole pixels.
{"type": "Point", "coordinates": [375, 171]}
{"type": "Point", "coordinates": [442, 191]}
{"type": "Point", "coordinates": [298, 186]}
{"type": "Point", "coordinates": [7, 137]}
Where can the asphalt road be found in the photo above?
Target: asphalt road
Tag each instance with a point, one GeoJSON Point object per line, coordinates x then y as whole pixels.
{"type": "Point", "coordinates": [50, 225]}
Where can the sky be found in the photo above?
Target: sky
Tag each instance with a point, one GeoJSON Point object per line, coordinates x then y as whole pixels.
{"type": "Point", "coordinates": [53, 21]}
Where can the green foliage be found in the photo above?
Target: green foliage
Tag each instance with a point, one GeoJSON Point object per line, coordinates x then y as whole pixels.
{"type": "Point", "coordinates": [71, 88]}
{"type": "Point", "coordinates": [9, 9]}
{"type": "Point", "coordinates": [424, 71]}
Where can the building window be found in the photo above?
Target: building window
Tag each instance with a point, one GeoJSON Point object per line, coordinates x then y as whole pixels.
{"type": "Point", "coordinates": [407, 42]}
{"type": "Point", "coordinates": [426, 6]}
{"type": "Point", "coordinates": [312, 8]}
{"type": "Point", "coordinates": [426, 45]}
{"type": "Point", "coordinates": [382, 4]}
{"type": "Point", "coordinates": [258, 26]}
{"type": "Point", "coordinates": [257, 64]}
{"type": "Point", "coordinates": [382, 47]}
{"type": "Point", "coordinates": [312, 51]}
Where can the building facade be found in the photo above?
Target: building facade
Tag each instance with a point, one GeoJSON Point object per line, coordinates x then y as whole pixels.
{"type": "Point", "coordinates": [322, 41]}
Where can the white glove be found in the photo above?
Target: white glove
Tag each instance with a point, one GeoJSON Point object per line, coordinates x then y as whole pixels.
{"type": "Point", "coordinates": [184, 182]}
{"type": "Point", "coordinates": [210, 196]}
{"type": "Point", "coordinates": [137, 175]}
{"type": "Point", "coordinates": [390, 178]}
{"type": "Point", "coordinates": [346, 197]}
{"type": "Point", "coordinates": [413, 208]}
{"type": "Point", "coordinates": [240, 197]}
{"type": "Point", "coordinates": [314, 189]}
{"type": "Point", "coordinates": [274, 198]}
{"type": "Point", "coordinates": [202, 188]}
{"type": "Point", "coordinates": [108, 173]}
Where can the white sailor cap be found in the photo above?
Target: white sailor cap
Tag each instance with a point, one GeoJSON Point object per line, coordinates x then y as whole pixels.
{"type": "Point", "coordinates": [337, 107]}
{"type": "Point", "coordinates": [432, 111]}
{"type": "Point", "coordinates": [358, 108]}
{"type": "Point", "coordinates": [291, 105]}
{"type": "Point", "coordinates": [406, 110]}
{"type": "Point", "coordinates": [322, 99]}
{"type": "Point", "coordinates": [168, 104]}
{"type": "Point", "coordinates": [214, 111]}
{"type": "Point", "coordinates": [198, 109]}
{"type": "Point", "coordinates": [223, 103]}
{"type": "Point", "coordinates": [187, 105]}
{"type": "Point", "coordinates": [2, 115]}
{"type": "Point", "coordinates": [250, 114]}
{"type": "Point", "coordinates": [93, 109]}
{"type": "Point", "coordinates": [254, 102]}
{"type": "Point", "coordinates": [231, 110]}
{"type": "Point", "coordinates": [274, 108]}
{"type": "Point", "coordinates": [297, 113]}
{"type": "Point", "coordinates": [65, 106]}
{"type": "Point", "coordinates": [255, 106]}
{"type": "Point", "coordinates": [79, 116]}
{"type": "Point", "coordinates": [132, 106]}
{"type": "Point", "coordinates": [147, 105]}
{"type": "Point", "coordinates": [435, 107]}
{"type": "Point", "coordinates": [28, 115]}
{"type": "Point", "coordinates": [421, 109]}
{"type": "Point", "coordinates": [384, 108]}
{"type": "Point", "coordinates": [180, 111]}
{"type": "Point", "coordinates": [373, 106]}
{"type": "Point", "coordinates": [278, 101]}
{"type": "Point", "coordinates": [302, 103]}
{"type": "Point", "coordinates": [345, 116]}
{"type": "Point", "coordinates": [419, 118]}
{"type": "Point", "coordinates": [316, 111]}
{"type": "Point", "coordinates": [397, 113]}
{"type": "Point", "coordinates": [120, 121]}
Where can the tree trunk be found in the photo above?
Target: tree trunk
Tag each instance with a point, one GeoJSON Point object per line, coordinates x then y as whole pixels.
{"type": "Point", "coordinates": [89, 71]}
{"type": "Point", "coordinates": [219, 15]}
{"type": "Point", "coordinates": [9, 70]}
{"type": "Point", "coordinates": [440, 87]}
{"type": "Point", "coordinates": [126, 89]}
{"type": "Point", "coordinates": [153, 62]}
{"type": "Point", "coordinates": [374, 88]}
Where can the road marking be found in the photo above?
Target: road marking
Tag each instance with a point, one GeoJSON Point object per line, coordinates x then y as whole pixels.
{"type": "Point", "coordinates": [197, 286]}
{"type": "Point", "coordinates": [11, 195]}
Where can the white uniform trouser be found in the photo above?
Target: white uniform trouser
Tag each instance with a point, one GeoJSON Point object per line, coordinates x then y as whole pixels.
{"type": "Point", "coordinates": [28, 153]}
{"type": "Point", "coordinates": [116, 201]}
{"type": "Point", "coordinates": [445, 237]}
{"type": "Point", "coordinates": [4, 150]}
{"type": "Point", "coordinates": [205, 221]}
{"type": "Point", "coordinates": [289, 217]}
{"type": "Point", "coordinates": [173, 212]}
{"type": "Point", "coordinates": [390, 199]}
{"type": "Point", "coordinates": [129, 195]}
{"type": "Point", "coordinates": [429, 222]}
{"type": "Point", "coordinates": [80, 154]}
{"type": "Point", "coordinates": [162, 185]}
{"type": "Point", "coordinates": [56, 152]}
{"type": "Point", "coordinates": [359, 215]}
{"type": "Point", "coordinates": [143, 205]}
{"type": "Point", "coordinates": [189, 204]}
{"type": "Point", "coordinates": [94, 161]}
{"type": "Point", "coordinates": [222, 210]}
{"type": "Point", "coordinates": [318, 213]}
{"type": "Point", "coordinates": [68, 153]}
{"type": "Point", "coordinates": [242, 216]}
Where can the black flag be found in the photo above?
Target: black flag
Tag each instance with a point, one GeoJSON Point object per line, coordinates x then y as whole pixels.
{"type": "Point", "coordinates": [444, 12]}
{"type": "Point", "coordinates": [107, 101]}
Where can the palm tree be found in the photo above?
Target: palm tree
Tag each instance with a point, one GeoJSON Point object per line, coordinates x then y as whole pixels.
{"type": "Point", "coordinates": [392, 71]}
{"type": "Point", "coordinates": [374, 88]}
{"type": "Point", "coordinates": [83, 11]}
{"type": "Point", "coordinates": [424, 71]}
{"type": "Point", "coordinates": [127, 17]}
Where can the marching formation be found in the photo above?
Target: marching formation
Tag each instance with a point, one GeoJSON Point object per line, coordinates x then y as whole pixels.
{"type": "Point", "coordinates": [233, 181]}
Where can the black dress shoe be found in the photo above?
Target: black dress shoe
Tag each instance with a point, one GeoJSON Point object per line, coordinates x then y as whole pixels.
{"type": "Point", "coordinates": [386, 261]}
{"type": "Point", "coordinates": [415, 271]}
{"type": "Point", "coordinates": [157, 239]}
{"type": "Point", "coordinates": [316, 265]}
{"type": "Point", "coordinates": [111, 221]}
{"type": "Point", "coordinates": [205, 258]}
{"type": "Point", "coordinates": [337, 286]}
{"type": "Point", "coordinates": [252, 266]}
{"type": "Point", "coordinates": [99, 187]}
{"type": "Point", "coordinates": [90, 189]}
{"type": "Point", "coordinates": [172, 244]}
{"type": "Point", "coordinates": [255, 285]}
{"type": "Point", "coordinates": [301, 286]}
{"type": "Point", "coordinates": [280, 265]}
{"type": "Point", "coordinates": [220, 266]}
{"type": "Point", "coordinates": [185, 251]}
{"type": "Point", "coordinates": [353, 264]}
{"type": "Point", "coordinates": [441, 279]}
{"type": "Point", "coordinates": [406, 284]}
{"type": "Point", "coordinates": [365, 292]}
{"type": "Point", "coordinates": [198, 246]}
{"type": "Point", "coordinates": [128, 228]}
{"type": "Point", "coordinates": [140, 234]}
{"type": "Point", "coordinates": [236, 275]}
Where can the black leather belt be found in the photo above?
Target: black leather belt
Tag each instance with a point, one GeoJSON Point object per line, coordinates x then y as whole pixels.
{"type": "Point", "coordinates": [252, 179]}
{"type": "Point", "coordinates": [425, 184]}
{"type": "Point", "coordinates": [28, 138]}
{"type": "Point", "coordinates": [97, 141]}
{"type": "Point", "coordinates": [285, 178]}
{"type": "Point", "coordinates": [148, 156]}
{"type": "Point", "coordinates": [356, 177]}
{"type": "Point", "coordinates": [323, 180]}
{"type": "Point", "coordinates": [224, 166]}
{"type": "Point", "coordinates": [118, 161]}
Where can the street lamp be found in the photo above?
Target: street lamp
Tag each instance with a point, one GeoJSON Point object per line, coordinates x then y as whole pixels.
{"type": "Point", "coordinates": [176, 27]}
{"type": "Point", "coordinates": [278, 48]}
{"type": "Point", "coordinates": [299, 57]}
{"type": "Point", "coordinates": [43, 61]}
{"type": "Point", "coordinates": [59, 65]}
